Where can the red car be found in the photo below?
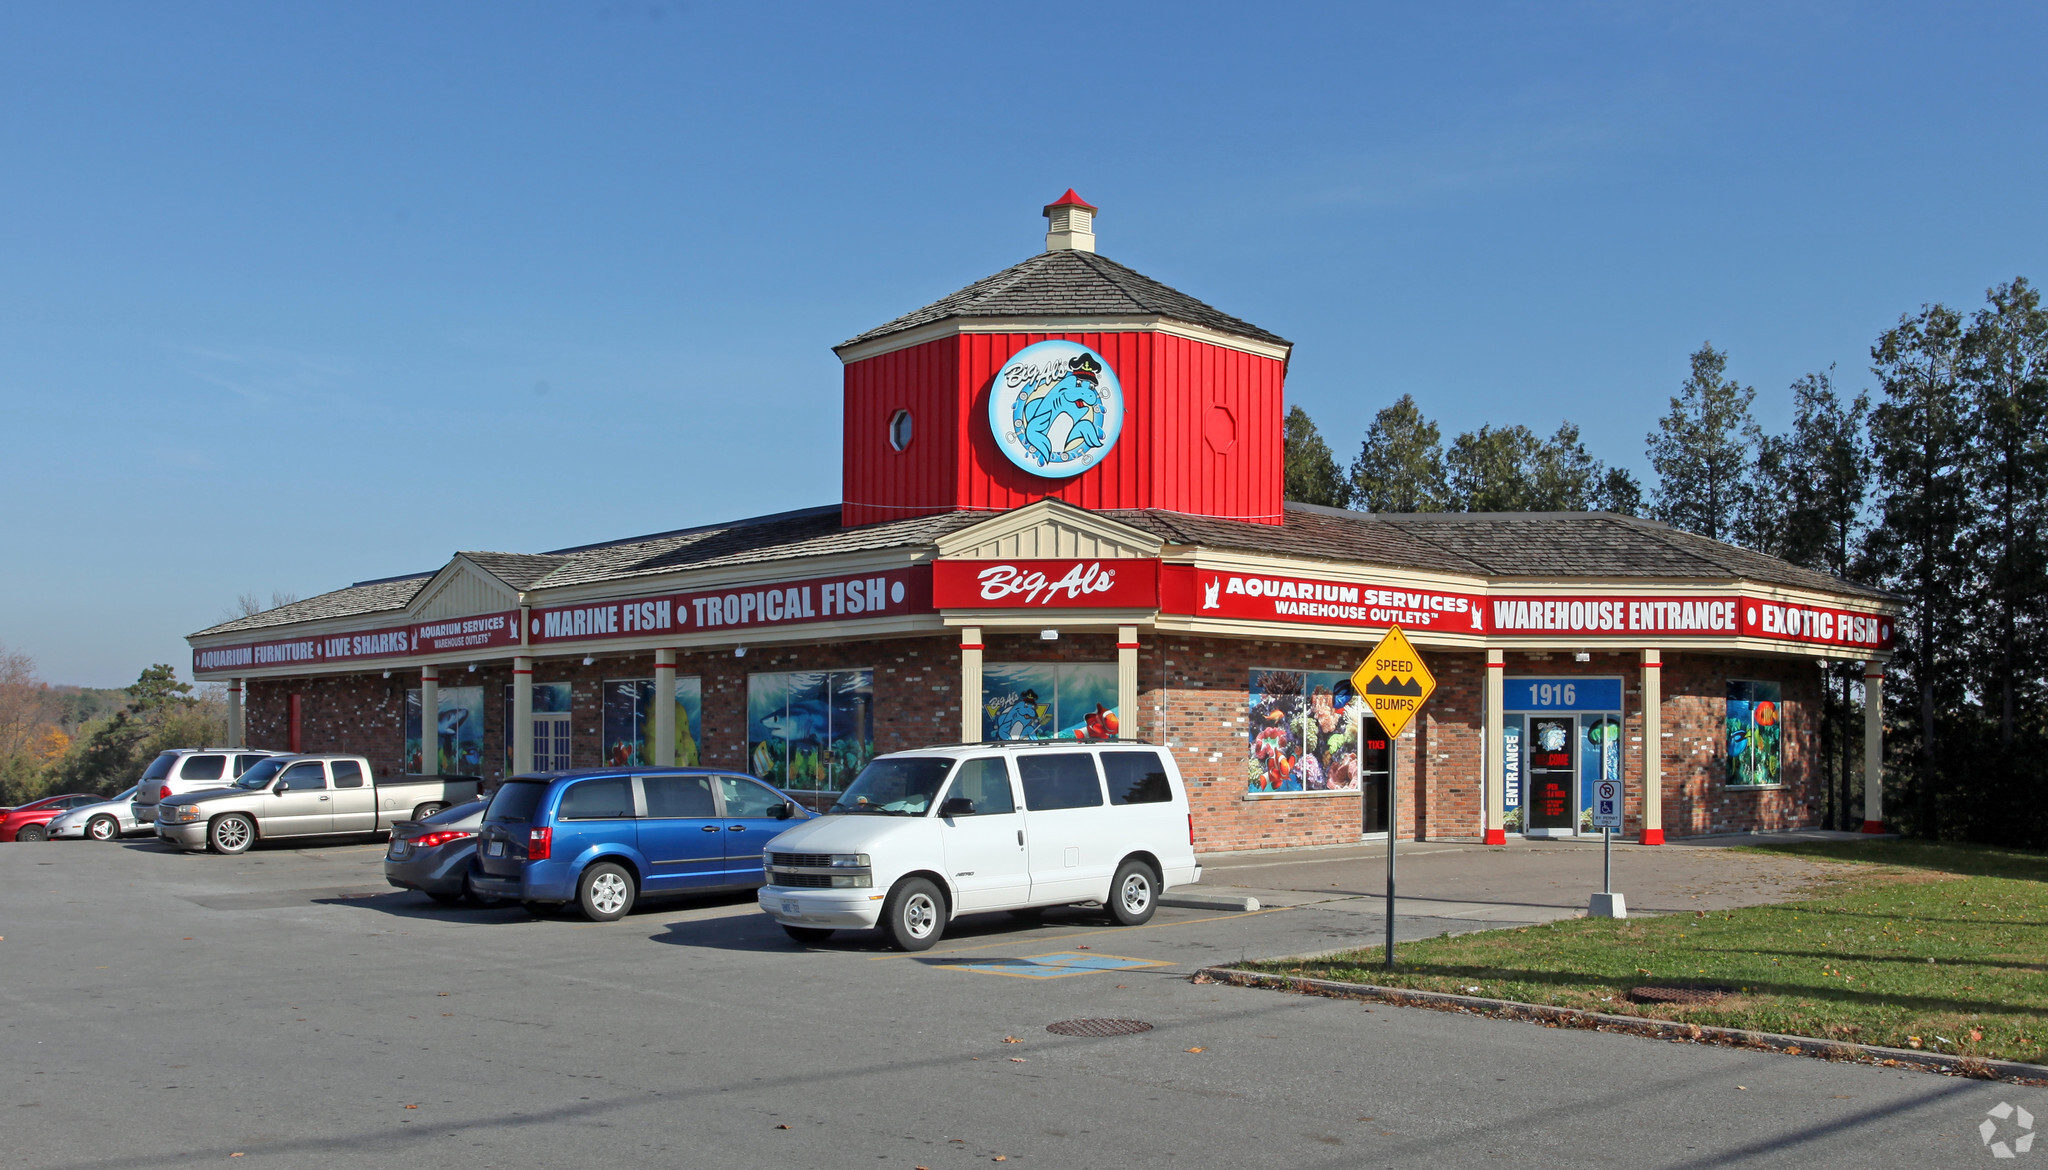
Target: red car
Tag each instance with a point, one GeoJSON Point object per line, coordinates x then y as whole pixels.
{"type": "Point", "coordinates": [29, 822]}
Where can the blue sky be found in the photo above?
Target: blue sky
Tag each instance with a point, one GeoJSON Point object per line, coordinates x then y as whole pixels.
{"type": "Point", "coordinates": [293, 295]}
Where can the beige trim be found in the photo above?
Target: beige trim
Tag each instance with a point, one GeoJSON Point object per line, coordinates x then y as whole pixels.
{"type": "Point", "coordinates": [430, 721]}
{"type": "Point", "coordinates": [1653, 739]}
{"type": "Point", "coordinates": [521, 730]}
{"type": "Point", "coordinates": [462, 588]}
{"type": "Point", "coordinates": [1107, 323]}
{"type": "Point", "coordinates": [970, 684]}
{"type": "Point", "coordinates": [1127, 681]}
{"type": "Point", "coordinates": [1048, 528]}
{"type": "Point", "coordinates": [1490, 757]}
{"type": "Point", "coordinates": [665, 706]}
{"type": "Point", "coordinates": [238, 729]}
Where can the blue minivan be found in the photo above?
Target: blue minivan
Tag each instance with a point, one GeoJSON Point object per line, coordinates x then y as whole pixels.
{"type": "Point", "coordinates": [605, 837]}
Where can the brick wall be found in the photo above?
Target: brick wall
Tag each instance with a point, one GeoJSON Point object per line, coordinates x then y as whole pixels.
{"type": "Point", "coordinates": [1194, 695]}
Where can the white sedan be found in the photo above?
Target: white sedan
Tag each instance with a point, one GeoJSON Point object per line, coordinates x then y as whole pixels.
{"type": "Point", "coordinates": [105, 821]}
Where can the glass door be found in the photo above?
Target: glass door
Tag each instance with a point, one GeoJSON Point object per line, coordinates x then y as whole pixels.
{"type": "Point", "coordinates": [551, 743]}
{"type": "Point", "coordinates": [1550, 807]}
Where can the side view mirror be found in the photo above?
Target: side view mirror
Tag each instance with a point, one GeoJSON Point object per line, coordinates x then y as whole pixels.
{"type": "Point", "coordinates": [785, 811]}
{"type": "Point", "coordinates": [957, 806]}
{"type": "Point", "coordinates": [280, 790]}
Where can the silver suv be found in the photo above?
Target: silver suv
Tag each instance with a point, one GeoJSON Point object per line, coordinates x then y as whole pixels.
{"type": "Point", "coordinates": [183, 770]}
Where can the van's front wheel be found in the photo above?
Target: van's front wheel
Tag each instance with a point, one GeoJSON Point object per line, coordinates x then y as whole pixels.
{"type": "Point", "coordinates": [1134, 895]}
{"type": "Point", "coordinates": [914, 915]}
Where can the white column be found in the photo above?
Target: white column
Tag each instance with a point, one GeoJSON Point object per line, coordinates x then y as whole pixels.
{"type": "Point", "coordinates": [430, 720]}
{"type": "Point", "coordinates": [1653, 747]}
{"type": "Point", "coordinates": [1490, 757]}
{"type": "Point", "coordinates": [1127, 682]}
{"type": "Point", "coordinates": [521, 731]}
{"type": "Point", "coordinates": [237, 728]}
{"type": "Point", "coordinates": [665, 707]}
{"type": "Point", "coordinates": [970, 684]}
{"type": "Point", "coordinates": [1873, 747]}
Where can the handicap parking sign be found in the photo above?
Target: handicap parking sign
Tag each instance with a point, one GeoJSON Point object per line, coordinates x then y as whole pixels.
{"type": "Point", "coordinates": [1607, 804]}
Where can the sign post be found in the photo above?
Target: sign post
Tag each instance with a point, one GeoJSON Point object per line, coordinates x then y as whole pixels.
{"type": "Point", "coordinates": [1607, 815]}
{"type": "Point", "coordinates": [1394, 684]}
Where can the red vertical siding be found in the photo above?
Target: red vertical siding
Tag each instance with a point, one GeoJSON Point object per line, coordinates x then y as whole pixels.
{"type": "Point", "coordinates": [1162, 459]}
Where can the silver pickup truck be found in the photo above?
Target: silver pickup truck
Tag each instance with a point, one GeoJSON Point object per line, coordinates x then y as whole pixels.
{"type": "Point", "coordinates": [302, 796]}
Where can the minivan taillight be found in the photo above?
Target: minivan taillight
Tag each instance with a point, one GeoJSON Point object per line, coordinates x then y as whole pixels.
{"type": "Point", "coordinates": [164, 793]}
{"type": "Point", "coordinates": [1191, 830]}
{"type": "Point", "coordinates": [537, 842]}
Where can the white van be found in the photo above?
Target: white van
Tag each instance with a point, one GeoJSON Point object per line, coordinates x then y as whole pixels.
{"type": "Point", "coordinates": [921, 836]}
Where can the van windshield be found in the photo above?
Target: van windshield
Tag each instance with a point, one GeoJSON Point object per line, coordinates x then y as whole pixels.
{"type": "Point", "coordinates": [262, 774]}
{"type": "Point", "coordinates": [902, 787]}
{"type": "Point", "coordinates": [161, 766]}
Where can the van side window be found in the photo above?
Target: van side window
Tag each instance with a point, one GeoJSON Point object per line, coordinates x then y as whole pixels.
{"type": "Point", "coordinates": [347, 773]}
{"type": "Point", "coordinates": [745, 798]}
{"type": "Point", "coordinates": [1059, 780]}
{"type": "Point", "coordinates": [986, 782]}
{"type": "Point", "coordinates": [203, 767]}
{"type": "Point", "coordinates": [1136, 778]}
{"type": "Point", "coordinates": [678, 797]}
{"type": "Point", "coordinates": [596, 799]}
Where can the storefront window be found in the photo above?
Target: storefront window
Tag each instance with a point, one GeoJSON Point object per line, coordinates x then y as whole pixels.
{"type": "Point", "coordinates": [460, 724]}
{"type": "Point", "coordinates": [629, 720]}
{"type": "Point", "coordinates": [1756, 748]}
{"type": "Point", "coordinates": [810, 730]}
{"type": "Point", "coordinates": [1303, 734]}
{"type": "Point", "coordinates": [1049, 700]}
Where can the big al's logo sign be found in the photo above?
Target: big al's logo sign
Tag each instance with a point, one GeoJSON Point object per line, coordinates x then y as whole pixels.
{"type": "Point", "coordinates": [1056, 408]}
{"type": "Point", "coordinates": [1052, 584]}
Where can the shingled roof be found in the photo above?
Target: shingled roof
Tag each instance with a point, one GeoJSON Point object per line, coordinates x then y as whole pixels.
{"type": "Point", "coordinates": [1501, 546]}
{"type": "Point", "coordinates": [1070, 283]}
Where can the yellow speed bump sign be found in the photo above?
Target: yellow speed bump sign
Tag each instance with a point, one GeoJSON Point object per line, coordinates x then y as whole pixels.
{"type": "Point", "coordinates": [1393, 681]}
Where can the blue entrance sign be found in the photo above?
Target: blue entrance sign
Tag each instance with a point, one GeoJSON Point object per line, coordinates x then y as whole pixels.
{"type": "Point", "coordinates": [1562, 694]}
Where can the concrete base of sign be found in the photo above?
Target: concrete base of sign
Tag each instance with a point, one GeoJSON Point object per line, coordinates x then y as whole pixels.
{"type": "Point", "coordinates": [1653, 836]}
{"type": "Point", "coordinates": [1189, 900]}
{"type": "Point", "coordinates": [1608, 906]}
{"type": "Point", "coordinates": [1494, 837]}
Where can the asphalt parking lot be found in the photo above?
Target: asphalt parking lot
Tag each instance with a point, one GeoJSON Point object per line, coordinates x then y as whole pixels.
{"type": "Point", "coordinates": [286, 1006]}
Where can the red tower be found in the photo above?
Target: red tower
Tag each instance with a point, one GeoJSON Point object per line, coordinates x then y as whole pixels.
{"type": "Point", "coordinates": [1186, 416]}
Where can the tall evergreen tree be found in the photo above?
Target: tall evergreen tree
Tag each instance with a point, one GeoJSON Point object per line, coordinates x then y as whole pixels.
{"type": "Point", "coordinates": [1701, 451]}
{"type": "Point", "coordinates": [1400, 466]}
{"type": "Point", "coordinates": [1312, 473]}
{"type": "Point", "coordinates": [1826, 483]}
{"type": "Point", "coordinates": [1920, 439]}
{"type": "Point", "coordinates": [2006, 364]}
{"type": "Point", "coordinates": [1620, 492]}
{"type": "Point", "coordinates": [1510, 469]}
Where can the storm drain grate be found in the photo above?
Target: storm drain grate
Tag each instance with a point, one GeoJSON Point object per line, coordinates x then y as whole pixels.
{"type": "Point", "coordinates": [1692, 995]}
{"type": "Point", "coordinates": [1098, 1027]}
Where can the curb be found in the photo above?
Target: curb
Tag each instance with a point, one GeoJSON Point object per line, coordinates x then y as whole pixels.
{"type": "Point", "coordinates": [1209, 901]}
{"type": "Point", "coordinates": [1976, 1067]}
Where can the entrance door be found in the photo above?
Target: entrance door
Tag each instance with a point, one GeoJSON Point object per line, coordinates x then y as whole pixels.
{"type": "Point", "coordinates": [1375, 754]}
{"type": "Point", "coordinates": [1551, 809]}
{"type": "Point", "coordinates": [551, 743]}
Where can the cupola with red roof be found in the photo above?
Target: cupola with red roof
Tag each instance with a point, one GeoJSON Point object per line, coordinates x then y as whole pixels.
{"type": "Point", "coordinates": [1069, 377]}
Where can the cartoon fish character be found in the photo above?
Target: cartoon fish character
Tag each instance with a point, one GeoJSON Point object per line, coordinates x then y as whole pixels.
{"type": "Point", "coordinates": [764, 760]}
{"type": "Point", "coordinates": [1074, 397]}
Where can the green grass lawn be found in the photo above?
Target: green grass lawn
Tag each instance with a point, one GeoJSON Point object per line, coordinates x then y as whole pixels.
{"type": "Point", "coordinates": [1938, 947]}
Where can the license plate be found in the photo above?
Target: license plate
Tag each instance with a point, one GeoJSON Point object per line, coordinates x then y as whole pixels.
{"type": "Point", "coordinates": [792, 908]}
{"type": "Point", "coordinates": [399, 849]}
{"type": "Point", "coordinates": [495, 849]}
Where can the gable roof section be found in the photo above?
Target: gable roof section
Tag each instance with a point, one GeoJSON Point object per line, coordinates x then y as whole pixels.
{"type": "Point", "coordinates": [1070, 283]}
{"type": "Point", "coordinates": [392, 594]}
